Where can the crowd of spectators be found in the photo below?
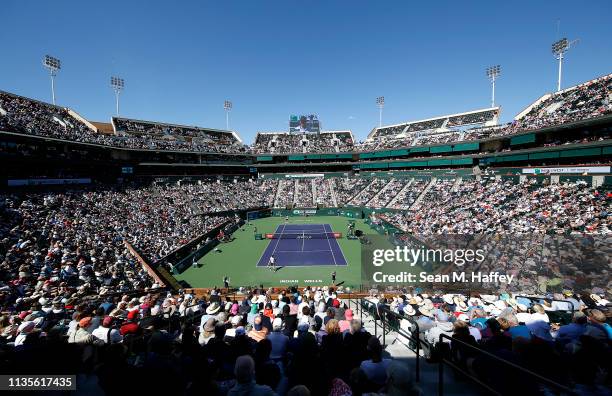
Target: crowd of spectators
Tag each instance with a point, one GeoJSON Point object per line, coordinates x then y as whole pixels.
{"type": "Point", "coordinates": [390, 191]}
{"type": "Point", "coordinates": [564, 336]}
{"type": "Point", "coordinates": [324, 190]}
{"type": "Point", "coordinates": [407, 196]}
{"type": "Point", "coordinates": [304, 197]}
{"type": "Point", "coordinates": [287, 143]}
{"type": "Point", "coordinates": [346, 188]}
{"type": "Point", "coordinates": [588, 100]}
{"type": "Point", "coordinates": [78, 236]}
{"type": "Point", "coordinates": [285, 193]}
{"type": "Point", "coordinates": [437, 138]}
{"type": "Point", "coordinates": [495, 205]}
{"type": "Point", "coordinates": [293, 343]}
{"type": "Point", "coordinates": [22, 115]}
{"type": "Point", "coordinates": [368, 192]}
{"type": "Point", "coordinates": [200, 139]}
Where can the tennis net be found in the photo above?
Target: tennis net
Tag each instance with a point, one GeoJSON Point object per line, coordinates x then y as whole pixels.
{"type": "Point", "coordinates": [305, 235]}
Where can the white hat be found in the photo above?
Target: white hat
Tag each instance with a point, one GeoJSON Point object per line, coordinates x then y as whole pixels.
{"type": "Point", "coordinates": [475, 301]}
{"type": "Point", "coordinates": [461, 305]}
{"type": "Point", "coordinates": [409, 310]}
{"type": "Point", "coordinates": [426, 312]}
{"type": "Point", "coordinates": [277, 324]}
{"type": "Point", "coordinates": [213, 308]}
{"type": "Point", "coordinates": [26, 327]}
{"type": "Point", "coordinates": [488, 298]}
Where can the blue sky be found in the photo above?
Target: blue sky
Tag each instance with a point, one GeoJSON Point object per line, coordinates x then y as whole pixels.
{"type": "Point", "coordinates": [182, 59]}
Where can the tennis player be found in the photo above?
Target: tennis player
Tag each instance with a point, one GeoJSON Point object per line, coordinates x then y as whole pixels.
{"type": "Point", "coordinates": [272, 263]}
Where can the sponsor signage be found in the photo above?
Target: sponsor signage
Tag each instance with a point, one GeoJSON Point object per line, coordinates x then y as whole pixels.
{"type": "Point", "coordinates": [44, 182]}
{"type": "Point", "coordinates": [305, 175]}
{"type": "Point", "coordinates": [566, 170]}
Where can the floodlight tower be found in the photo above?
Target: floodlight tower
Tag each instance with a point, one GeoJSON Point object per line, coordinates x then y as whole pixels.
{"type": "Point", "coordinates": [227, 105]}
{"type": "Point", "coordinates": [493, 73]}
{"type": "Point", "coordinates": [53, 65]}
{"type": "Point", "coordinates": [559, 48]}
{"type": "Point", "coordinates": [380, 102]}
{"type": "Point", "coordinates": [117, 84]}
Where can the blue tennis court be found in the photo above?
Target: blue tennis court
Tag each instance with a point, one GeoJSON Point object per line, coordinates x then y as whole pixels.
{"type": "Point", "coordinates": [300, 245]}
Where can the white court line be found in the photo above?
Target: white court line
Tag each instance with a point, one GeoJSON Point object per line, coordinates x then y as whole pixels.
{"type": "Point", "coordinates": [266, 249]}
{"type": "Point", "coordinates": [278, 240]}
{"type": "Point", "coordinates": [332, 251]}
{"type": "Point", "coordinates": [305, 251]}
{"type": "Point", "coordinates": [340, 247]}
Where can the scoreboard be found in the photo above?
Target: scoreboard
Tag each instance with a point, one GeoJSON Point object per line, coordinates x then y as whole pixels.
{"type": "Point", "coordinates": [304, 123]}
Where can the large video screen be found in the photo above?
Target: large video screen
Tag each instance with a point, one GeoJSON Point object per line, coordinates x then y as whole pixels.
{"type": "Point", "coordinates": [304, 123]}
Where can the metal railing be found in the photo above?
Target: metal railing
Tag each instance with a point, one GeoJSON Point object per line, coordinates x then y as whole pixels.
{"type": "Point", "coordinates": [390, 321]}
{"type": "Point", "coordinates": [507, 364]}
{"type": "Point", "coordinates": [385, 326]}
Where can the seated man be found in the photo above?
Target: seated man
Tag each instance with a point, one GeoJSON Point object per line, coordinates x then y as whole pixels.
{"type": "Point", "coordinates": [597, 326]}
{"type": "Point", "coordinates": [245, 379]}
{"type": "Point", "coordinates": [572, 332]}
{"type": "Point", "coordinates": [278, 340]}
{"type": "Point", "coordinates": [258, 332]}
{"type": "Point", "coordinates": [375, 368]}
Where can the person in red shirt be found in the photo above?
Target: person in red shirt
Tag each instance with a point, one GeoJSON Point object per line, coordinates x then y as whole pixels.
{"type": "Point", "coordinates": [131, 326]}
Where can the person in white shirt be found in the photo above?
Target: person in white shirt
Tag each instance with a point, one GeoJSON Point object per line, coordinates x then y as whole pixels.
{"type": "Point", "coordinates": [272, 263]}
{"type": "Point", "coordinates": [23, 330]}
{"type": "Point", "coordinates": [107, 334]}
{"type": "Point", "coordinates": [539, 314]}
{"type": "Point", "coordinates": [521, 314]}
{"type": "Point", "coordinates": [301, 306]}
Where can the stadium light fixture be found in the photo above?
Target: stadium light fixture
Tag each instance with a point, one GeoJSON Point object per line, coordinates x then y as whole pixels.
{"type": "Point", "coordinates": [559, 48]}
{"type": "Point", "coordinates": [493, 72]}
{"type": "Point", "coordinates": [227, 105]}
{"type": "Point", "coordinates": [53, 65]}
{"type": "Point", "coordinates": [117, 84]}
{"type": "Point", "coordinates": [380, 102]}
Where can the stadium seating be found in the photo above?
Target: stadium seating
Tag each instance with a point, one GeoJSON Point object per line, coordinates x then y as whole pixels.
{"type": "Point", "coordinates": [201, 139]}
{"type": "Point", "coordinates": [286, 143]}
{"type": "Point", "coordinates": [23, 115]}
{"type": "Point", "coordinates": [431, 131]}
{"type": "Point", "coordinates": [495, 205]}
{"type": "Point", "coordinates": [27, 116]}
{"type": "Point", "coordinates": [67, 273]}
{"type": "Point", "coordinates": [584, 101]}
{"type": "Point", "coordinates": [324, 193]}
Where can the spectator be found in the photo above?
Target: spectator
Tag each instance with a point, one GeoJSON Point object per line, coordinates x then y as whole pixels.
{"type": "Point", "coordinates": [278, 340]}
{"type": "Point", "coordinates": [106, 333]}
{"type": "Point", "coordinates": [245, 379]}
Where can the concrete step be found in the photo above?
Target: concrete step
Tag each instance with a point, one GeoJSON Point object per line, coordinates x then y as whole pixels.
{"type": "Point", "coordinates": [396, 347]}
